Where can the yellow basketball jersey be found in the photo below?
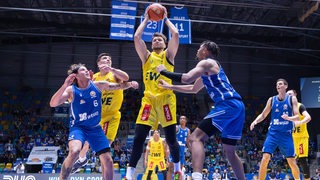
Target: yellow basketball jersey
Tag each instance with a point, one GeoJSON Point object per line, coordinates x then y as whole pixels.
{"type": "Point", "coordinates": [156, 150]}
{"type": "Point", "coordinates": [111, 100]}
{"type": "Point", "coordinates": [151, 76]}
{"type": "Point", "coordinates": [300, 131]}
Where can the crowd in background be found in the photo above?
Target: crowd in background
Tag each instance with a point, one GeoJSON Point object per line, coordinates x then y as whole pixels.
{"type": "Point", "coordinates": [27, 121]}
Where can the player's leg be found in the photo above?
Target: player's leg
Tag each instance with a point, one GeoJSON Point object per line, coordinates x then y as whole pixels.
{"type": "Point", "coordinates": [82, 160]}
{"type": "Point", "coordinates": [74, 150]}
{"type": "Point", "coordinates": [140, 135]}
{"type": "Point", "coordinates": [110, 128]}
{"type": "Point", "coordinates": [149, 175]}
{"type": "Point", "coordinates": [264, 165]}
{"type": "Point", "coordinates": [170, 170]}
{"type": "Point", "coordinates": [100, 144]}
{"type": "Point", "coordinates": [197, 139]}
{"type": "Point", "coordinates": [303, 161]}
{"type": "Point", "coordinates": [286, 146]}
{"type": "Point", "coordinates": [170, 133]}
{"type": "Point", "coordinates": [229, 146]}
{"type": "Point", "coordinates": [294, 167]}
{"type": "Point", "coordinates": [107, 165]}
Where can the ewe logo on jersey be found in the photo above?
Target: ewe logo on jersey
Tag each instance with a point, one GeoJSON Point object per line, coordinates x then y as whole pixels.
{"type": "Point", "coordinates": [152, 76]}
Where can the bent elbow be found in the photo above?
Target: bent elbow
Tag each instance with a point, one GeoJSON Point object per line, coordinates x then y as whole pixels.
{"type": "Point", "coordinates": [52, 104]}
{"type": "Point", "coordinates": [136, 37]}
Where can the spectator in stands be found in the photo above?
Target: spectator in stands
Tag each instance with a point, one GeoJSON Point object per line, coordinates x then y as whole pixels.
{"type": "Point", "coordinates": [85, 96]}
{"type": "Point", "coordinates": [8, 147]}
{"type": "Point", "coordinates": [216, 175]}
{"type": "Point", "coordinates": [317, 175]}
{"type": "Point", "coordinates": [225, 175]}
{"type": "Point", "coordinates": [19, 168]}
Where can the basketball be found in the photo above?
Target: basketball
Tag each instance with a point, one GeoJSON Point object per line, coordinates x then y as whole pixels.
{"type": "Point", "coordinates": [156, 12]}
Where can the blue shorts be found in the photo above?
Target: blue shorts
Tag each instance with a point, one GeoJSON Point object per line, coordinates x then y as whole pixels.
{"type": "Point", "coordinates": [182, 156]}
{"type": "Point", "coordinates": [228, 117]}
{"type": "Point", "coordinates": [94, 135]}
{"type": "Point", "coordinates": [283, 140]}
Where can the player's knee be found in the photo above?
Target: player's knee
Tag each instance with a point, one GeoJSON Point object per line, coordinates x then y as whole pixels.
{"type": "Point", "coordinates": [106, 157]}
{"type": "Point", "coordinates": [74, 152]}
{"type": "Point", "coordinates": [194, 138]}
{"type": "Point", "coordinates": [265, 159]}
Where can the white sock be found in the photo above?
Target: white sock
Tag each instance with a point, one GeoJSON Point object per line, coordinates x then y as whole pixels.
{"type": "Point", "coordinates": [196, 176]}
{"type": "Point", "coordinates": [177, 166]}
{"type": "Point", "coordinates": [82, 159]}
{"type": "Point", "coordinates": [130, 172]}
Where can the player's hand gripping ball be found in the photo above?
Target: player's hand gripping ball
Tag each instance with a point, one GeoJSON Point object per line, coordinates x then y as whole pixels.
{"type": "Point", "coordinates": [156, 12]}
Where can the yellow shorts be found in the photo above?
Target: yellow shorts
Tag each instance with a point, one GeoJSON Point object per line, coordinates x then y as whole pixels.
{"type": "Point", "coordinates": [110, 124]}
{"type": "Point", "coordinates": [160, 109]}
{"type": "Point", "coordinates": [152, 164]}
{"type": "Point", "coordinates": [301, 146]}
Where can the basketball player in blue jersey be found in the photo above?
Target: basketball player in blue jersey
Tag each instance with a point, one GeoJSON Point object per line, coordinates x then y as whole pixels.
{"type": "Point", "coordinates": [84, 96]}
{"type": "Point", "coordinates": [158, 105]}
{"type": "Point", "coordinates": [182, 136]}
{"type": "Point", "coordinates": [227, 116]}
{"type": "Point", "coordinates": [284, 110]}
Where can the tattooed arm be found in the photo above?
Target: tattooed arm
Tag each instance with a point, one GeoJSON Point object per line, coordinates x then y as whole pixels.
{"type": "Point", "coordinates": [105, 85]}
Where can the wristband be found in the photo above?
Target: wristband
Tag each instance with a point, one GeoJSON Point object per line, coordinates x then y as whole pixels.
{"type": "Point", "coordinates": [171, 75]}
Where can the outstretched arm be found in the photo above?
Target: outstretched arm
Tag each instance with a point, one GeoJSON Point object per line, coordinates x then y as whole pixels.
{"type": "Point", "coordinates": [139, 44]}
{"type": "Point", "coordinates": [205, 66]}
{"type": "Point", "coordinates": [173, 44]}
{"type": "Point", "coordinates": [263, 115]}
{"type": "Point", "coordinates": [193, 88]}
{"type": "Point", "coordinates": [105, 85]}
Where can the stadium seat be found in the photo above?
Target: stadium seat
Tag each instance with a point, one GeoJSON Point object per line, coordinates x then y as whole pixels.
{"type": "Point", "coordinates": [8, 167]}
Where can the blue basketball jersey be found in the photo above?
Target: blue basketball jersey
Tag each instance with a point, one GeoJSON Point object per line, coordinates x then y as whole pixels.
{"type": "Point", "coordinates": [181, 136]}
{"type": "Point", "coordinates": [278, 108]}
{"type": "Point", "coordinates": [219, 87]}
{"type": "Point", "coordinates": [85, 109]}
{"type": "Point", "coordinates": [228, 113]}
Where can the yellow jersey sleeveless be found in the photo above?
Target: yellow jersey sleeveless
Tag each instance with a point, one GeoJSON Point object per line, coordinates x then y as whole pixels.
{"type": "Point", "coordinates": [111, 100]}
{"type": "Point", "coordinates": [300, 131]}
{"type": "Point", "coordinates": [156, 150]}
{"type": "Point", "coordinates": [151, 76]}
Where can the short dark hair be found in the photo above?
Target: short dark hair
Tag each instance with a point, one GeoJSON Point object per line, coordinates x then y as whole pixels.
{"type": "Point", "coordinates": [212, 47]}
{"type": "Point", "coordinates": [160, 35]}
{"type": "Point", "coordinates": [293, 90]}
{"type": "Point", "coordinates": [284, 81]}
{"type": "Point", "coordinates": [102, 54]}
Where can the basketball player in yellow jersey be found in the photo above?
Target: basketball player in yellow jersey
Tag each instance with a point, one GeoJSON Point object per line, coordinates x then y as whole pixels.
{"type": "Point", "coordinates": [111, 104]}
{"type": "Point", "coordinates": [156, 155]}
{"type": "Point", "coordinates": [158, 104]}
{"type": "Point", "coordinates": [301, 137]}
